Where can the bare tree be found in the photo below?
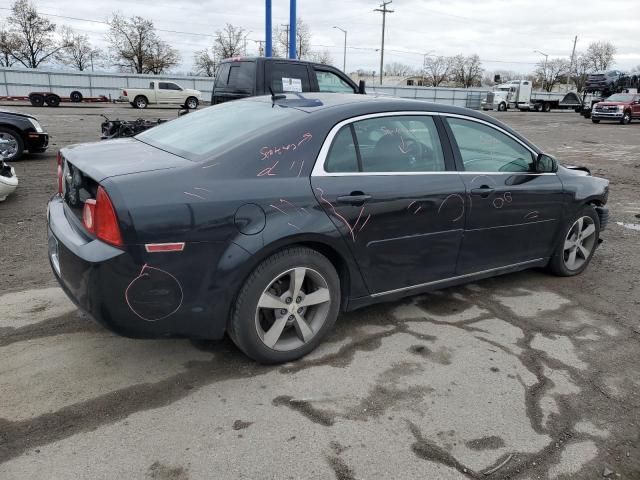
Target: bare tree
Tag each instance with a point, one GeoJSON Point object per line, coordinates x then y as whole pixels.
{"type": "Point", "coordinates": [552, 71]}
{"type": "Point", "coordinates": [161, 58]}
{"type": "Point", "coordinates": [303, 39]}
{"type": "Point", "coordinates": [322, 56]}
{"type": "Point", "coordinates": [600, 55]}
{"type": "Point", "coordinates": [505, 76]}
{"type": "Point", "coordinates": [136, 47]}
{"type": "Point", "coordinates": [205, 62]}
{"type": "Point", "coordinates": [229, 42]}
{"type": "Point", "coordinates": [7, 45]}
{"type": "Point", "coordinates": [437, 69]}
{"type": "Point", "coordinates": [467, 71]}
{"type": "Point", "coordinates": [397, 69]}
{"type": "Point", "coordinates": [581, 69]}
{"type": "Point", "coordinates": [79, 54]}
{"type": "Point", "coordinates": [31, 38]}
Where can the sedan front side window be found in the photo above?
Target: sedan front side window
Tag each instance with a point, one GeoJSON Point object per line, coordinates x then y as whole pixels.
{"type": "Point", "coordinates": [486, 149]}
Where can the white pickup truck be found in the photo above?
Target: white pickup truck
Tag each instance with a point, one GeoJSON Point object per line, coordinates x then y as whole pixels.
{"type": "Point", "coordinates": [161, 92]}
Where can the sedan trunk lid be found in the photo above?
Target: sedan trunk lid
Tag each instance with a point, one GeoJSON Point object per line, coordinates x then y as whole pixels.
{"type": "Point", "coordinates": [124, 156]}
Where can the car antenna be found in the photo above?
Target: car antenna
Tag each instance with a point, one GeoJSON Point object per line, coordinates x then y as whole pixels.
{"type": "Point", "coordinates": [275, 97]}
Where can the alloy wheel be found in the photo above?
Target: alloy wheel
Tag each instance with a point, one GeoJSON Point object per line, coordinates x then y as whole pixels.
{"type": "Point", "coordinates": [292, 309]}
{"type": "Point", "coordinates": [9, 149]}
{"type": "Point", "coordinates": [579, 243]}
{"type": "Point", "coordinates": [192, 104]}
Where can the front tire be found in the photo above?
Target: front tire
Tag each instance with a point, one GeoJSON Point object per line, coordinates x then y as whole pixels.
{"type": "Point", "coordinates": [626, 118]}
{"type": "Point", "coordinates": [141, 102]}
{"type": "Point", "coordinates": [191, 103]}
{"type": "Point", "coordinates": [577, 245]}
{"type": "Point", "coordinates": [286, 307]}
{"type": "Point", "coordinates": [595, 120]}
{"type": "Point", "coordinates": [502, 107]}
{"type": "Point", "coordinates": [15, 147]}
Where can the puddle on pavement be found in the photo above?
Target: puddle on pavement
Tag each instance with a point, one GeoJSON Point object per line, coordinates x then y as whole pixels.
{"type": "Point", "coordinates": [630, 226]}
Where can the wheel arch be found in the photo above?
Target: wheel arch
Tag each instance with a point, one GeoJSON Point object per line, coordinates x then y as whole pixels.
{"type": "Point", "coordinates": [351, 282]}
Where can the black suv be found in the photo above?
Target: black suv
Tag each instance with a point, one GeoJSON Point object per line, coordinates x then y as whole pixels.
{"type": "Point", "coordinates": [250, 76]}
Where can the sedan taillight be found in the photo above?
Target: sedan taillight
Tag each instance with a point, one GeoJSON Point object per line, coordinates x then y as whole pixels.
{"type": "Point", "coordinates": [99, 218]}
{"type": "Point", "coordinates": [124, 93]}
{"type": "Point", "coordinates": [60, 172]}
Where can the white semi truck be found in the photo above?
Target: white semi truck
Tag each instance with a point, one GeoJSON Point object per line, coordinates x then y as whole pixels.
{"type": "Point", "coordinates": [518, 94]}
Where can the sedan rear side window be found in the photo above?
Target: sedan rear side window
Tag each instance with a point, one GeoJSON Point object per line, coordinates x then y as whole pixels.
{"type": "Point", "coordinates": [388, 144]}
{"type": "Point", "coordinates": [486, 149]}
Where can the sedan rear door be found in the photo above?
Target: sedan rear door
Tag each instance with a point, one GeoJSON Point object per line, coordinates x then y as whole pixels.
{"type": "Point", "coordinates": [514, 211]}
{"type": "Point", "coordinates": [388, 183]}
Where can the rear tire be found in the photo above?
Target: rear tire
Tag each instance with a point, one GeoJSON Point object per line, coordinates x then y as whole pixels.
{"type": "Point", "coordinates": [577, 245]}
{"type": "Point", "coordinates": [272, 321]}
{"type": "Point", "coordinates": [141, 101]}
{"type": "Point", "coordinates": [75, 96]}
{"type": "Point", "coordinates": [52, 100]}
{"type": "Point", "coordinates": [36, 100]}
{"type": "Point", "coordinates": [16, 145]}
{"type": "Point", "coordinates": [546, 107]}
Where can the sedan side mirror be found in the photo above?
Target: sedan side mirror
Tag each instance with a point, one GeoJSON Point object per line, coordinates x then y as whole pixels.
{"type": "Point", "coordinates": [546, 164]}
{"type": "Point", "coordinates": [361, 88]}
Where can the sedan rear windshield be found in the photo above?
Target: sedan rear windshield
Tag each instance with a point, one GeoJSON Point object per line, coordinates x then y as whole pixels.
{"type": "Point", "coordinates": [200, 135]}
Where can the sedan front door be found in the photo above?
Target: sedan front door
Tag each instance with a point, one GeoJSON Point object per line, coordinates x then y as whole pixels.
{"type": "Point", "coordinates": [514, 211]}
{"type": "Point", "coordinates": [390, 188]}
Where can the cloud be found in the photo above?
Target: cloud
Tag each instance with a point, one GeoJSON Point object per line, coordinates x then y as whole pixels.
{"type": "Point", "coordinates": [503, 32]}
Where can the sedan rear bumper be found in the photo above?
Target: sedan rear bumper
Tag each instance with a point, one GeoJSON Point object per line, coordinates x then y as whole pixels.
{"type": "Point", "coordinates": [36, 142]}
{"type": "Point", "coordinates": [134, 293]}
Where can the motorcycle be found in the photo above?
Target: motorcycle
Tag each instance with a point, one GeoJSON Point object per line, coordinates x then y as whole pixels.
{"type": "Point", "coordinates": [128, 128]}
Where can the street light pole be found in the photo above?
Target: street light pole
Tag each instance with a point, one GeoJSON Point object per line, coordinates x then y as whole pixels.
{"type": "Point", "coordinates": [546, 57]}
{"type": "Point", "coordinates": [344, 55]}
{"type": "Point", "coordinates": [384, 12]}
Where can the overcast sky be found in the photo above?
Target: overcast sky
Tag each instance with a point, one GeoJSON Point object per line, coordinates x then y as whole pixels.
{"type": "Point", "coordinates": [503, 32]}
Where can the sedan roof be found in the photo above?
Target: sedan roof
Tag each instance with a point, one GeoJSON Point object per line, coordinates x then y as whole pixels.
{"type": "Point", "coordinates": [347, 105]}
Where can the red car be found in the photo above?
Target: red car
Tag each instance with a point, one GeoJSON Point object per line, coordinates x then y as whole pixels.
{"type": "Point", "coordinates": [621, 107]}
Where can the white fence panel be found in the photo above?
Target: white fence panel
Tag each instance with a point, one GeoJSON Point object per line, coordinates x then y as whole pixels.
{"type": "Point", "coordinates": [460, 97]}
{"type": "Point", "coordinates": [20, 82]}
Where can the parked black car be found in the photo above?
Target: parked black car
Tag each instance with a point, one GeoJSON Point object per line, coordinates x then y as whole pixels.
{"type": "Point", "coordinates": [265, 218]}
{"type": "Point", "coordinates": [250, 76]}
{"type": "Point", "coordinates": [23, 132]}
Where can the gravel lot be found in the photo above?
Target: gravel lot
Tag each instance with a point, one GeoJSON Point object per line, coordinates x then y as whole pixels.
{"type": "Point", "coordinates": [523, 376]}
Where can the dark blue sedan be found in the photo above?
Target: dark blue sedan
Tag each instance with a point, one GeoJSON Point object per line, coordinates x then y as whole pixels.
{"type": "Point", "coordinates": [265, 218]}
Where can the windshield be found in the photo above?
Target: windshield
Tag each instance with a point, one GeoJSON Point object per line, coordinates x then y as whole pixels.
{"type": "Point", "coordinates": [197, 136]}
{"type": "Point", "coordinates": [620, 97]}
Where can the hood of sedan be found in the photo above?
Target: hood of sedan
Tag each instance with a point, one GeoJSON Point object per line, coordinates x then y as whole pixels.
{"type": "Point", "coordinates": [124, 156]}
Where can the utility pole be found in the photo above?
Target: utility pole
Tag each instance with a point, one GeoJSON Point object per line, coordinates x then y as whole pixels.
{"type": "Point", "coordinates": [344, 52]}
{"type": "Point", "coordinates": [546, 58]}
{"type": "Point", "coordinates": [384, 12]}
{"type": "Point", "coordinates": [260, 47]}
{"type": "Point", "coordinates": [286, 27]}
{"type": "Point", "coordinates": [573, 54]}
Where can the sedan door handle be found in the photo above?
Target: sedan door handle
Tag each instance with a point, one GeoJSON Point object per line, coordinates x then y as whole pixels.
{"type": "Point", "coordinates": [355, 198]}
{"type": "Point", "coordinates": [484, 191]}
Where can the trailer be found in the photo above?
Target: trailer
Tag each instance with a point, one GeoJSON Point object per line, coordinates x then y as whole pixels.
{"type": "Point", "coordinates": [518, 94]}
{"type": "Point", "coordinates": [602, 85]}
{"type": "Point", "coordinates": [50, 99]}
